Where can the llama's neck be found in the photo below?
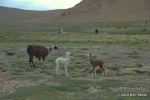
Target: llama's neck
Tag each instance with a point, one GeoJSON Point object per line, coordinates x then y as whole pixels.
{"type": "Point", "coordinates": [68, 58]}
{"type": "Point", "coordinates": [91, 59]}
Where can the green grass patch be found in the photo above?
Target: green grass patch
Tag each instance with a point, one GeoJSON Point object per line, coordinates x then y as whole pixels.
{"type": "Point", "coordinates": [142, 71]}
{"type": "Point", "coordinates": [114, 67]}
{"type": "Point", "coordinates": [68, 89]}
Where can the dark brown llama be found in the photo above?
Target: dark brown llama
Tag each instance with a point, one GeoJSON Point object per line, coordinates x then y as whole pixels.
{"type": "Point", "coordinates": [38, 52]}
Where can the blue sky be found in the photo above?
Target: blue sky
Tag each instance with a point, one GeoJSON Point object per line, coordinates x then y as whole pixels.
{"type": "Point", "coordinates": [39, 4]}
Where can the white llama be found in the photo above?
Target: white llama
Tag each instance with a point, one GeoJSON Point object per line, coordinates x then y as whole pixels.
{"type": "Point", "coordinates": [63, 62]}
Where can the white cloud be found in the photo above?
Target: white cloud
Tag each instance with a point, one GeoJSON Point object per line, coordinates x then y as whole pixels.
{"type": "Point", "coordinates": [41, 4]}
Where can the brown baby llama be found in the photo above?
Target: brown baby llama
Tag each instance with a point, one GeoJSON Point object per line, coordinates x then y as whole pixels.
{"type": "Point", "coordinates": [96, 64]}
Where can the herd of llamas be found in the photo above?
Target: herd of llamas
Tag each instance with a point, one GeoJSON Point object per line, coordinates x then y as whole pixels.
{"type": "Point", "coordinates": [41, 52]}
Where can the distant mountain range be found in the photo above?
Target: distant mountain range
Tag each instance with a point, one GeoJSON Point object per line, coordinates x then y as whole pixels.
{"type": "Point", "coordinates": [85, 11]}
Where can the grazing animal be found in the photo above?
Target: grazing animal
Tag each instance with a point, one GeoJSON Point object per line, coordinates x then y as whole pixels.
{"type": "Point", "coordinates": [95, 64]}
{"type": "Point", "coordinates": [38, 52]}
{"type": "Point", "coordinates": [63, 62]}
{"type": "Point", "coordinates": [96, 31]}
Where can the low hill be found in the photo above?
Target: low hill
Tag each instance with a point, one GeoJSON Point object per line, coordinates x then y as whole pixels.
{"type": "Point", "coordinates": [18, 16]}
{"type": "Point", "coordinates": [109, 10]}
{"type": "Point", "coordinates": [85, 11]}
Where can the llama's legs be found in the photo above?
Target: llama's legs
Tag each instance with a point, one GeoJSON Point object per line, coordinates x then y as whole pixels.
{"type": "Point", "coordinates": [103, 71]}
{"type": "Point", "coordinates": [39, 61]}
{"type": "Point", "coordinates": [95, 72]}
{"type": "Point", "coordinates": [59, 73]}
{"type": "Point", "coordinates": [92, 71]}
{"type": "Point", "coordinates": [33, 64]}
{"type": "Point", "coordinates": [38, 64]}
{"type": "Point", "coordinates": [31, 61]}
{"type": "Point", "coordinates": [66, 70]}
{"type": "Point", "coordinates": [43, 59]}
{"type": "Point", "coordinates": [57, 69]}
